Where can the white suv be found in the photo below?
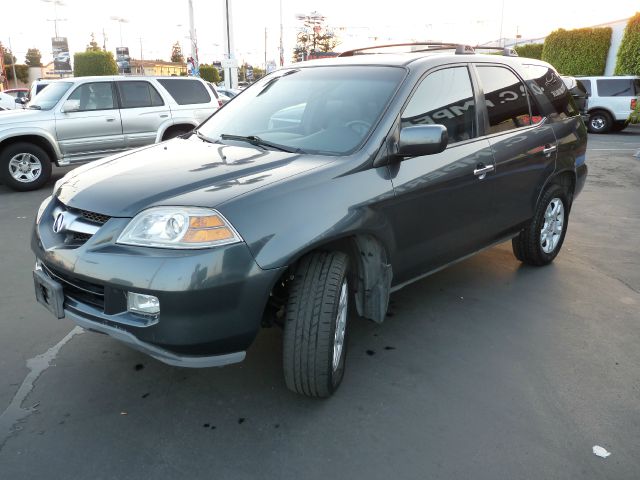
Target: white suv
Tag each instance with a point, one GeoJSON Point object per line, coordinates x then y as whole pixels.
{"type": "Point", "coordinates": [611, 101]}
{"type": "Point", "coordinates": [81, 119]}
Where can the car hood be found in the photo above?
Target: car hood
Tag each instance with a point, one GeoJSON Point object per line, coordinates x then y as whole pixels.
{"type": "Point", "coordinates": [178, 172]}
{"type": "Point", "coordinates": [11, 118]}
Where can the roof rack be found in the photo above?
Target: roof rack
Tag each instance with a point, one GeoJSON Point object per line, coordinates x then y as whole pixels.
{"type": "Point", "coordinates": [506, 51]}
{"type": "Point", "coordinates": [460, 49]}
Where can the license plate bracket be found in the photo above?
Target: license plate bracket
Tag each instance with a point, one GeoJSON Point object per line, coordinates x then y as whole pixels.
{"type": "Point", "coordinates": [49, 293]}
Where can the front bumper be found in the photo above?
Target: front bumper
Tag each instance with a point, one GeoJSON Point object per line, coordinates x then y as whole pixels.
{"type": "Point", "coordinates": [211, 301]}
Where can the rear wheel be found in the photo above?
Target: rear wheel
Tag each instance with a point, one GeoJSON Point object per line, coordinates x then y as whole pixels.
{"type": "Point", "coordinates": [600, 122]}
{"type": "Point", "coordinates": [316, 324]}
{"type": "Point", "coordinates": [540, 242]}
{"type": "Point", "coordinates": [24, 166]}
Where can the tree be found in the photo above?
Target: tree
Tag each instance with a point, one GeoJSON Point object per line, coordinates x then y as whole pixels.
{"type": "Point", "coordinates": [33, 58]}
{"type": "Point", "coordinates": [314, 36]}
{"type": "Point", "coordinates": [94, 63]}
{"type": "Point", "coordinates": [176, 53]}
{"type": "Point", "coordinates": [7, 55]}
{"type": "Point", "coordinates": [93, 45]}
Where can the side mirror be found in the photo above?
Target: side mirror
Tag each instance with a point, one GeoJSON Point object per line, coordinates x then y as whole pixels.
{"type": "Point", "coordinates": [70, 106]}
{"type": "Point", "coordinates": [421, 140]}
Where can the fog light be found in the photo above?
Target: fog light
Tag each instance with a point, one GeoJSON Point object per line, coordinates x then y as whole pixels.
{"type": "Point", "coordinates": [143, 304]}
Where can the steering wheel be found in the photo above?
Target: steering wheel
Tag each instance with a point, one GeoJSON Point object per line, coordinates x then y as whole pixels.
{"type": "Point", "coordinates": [359, 126]}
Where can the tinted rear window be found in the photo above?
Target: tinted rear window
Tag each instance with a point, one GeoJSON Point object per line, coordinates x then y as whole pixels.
{"type": "Point", "coordinates": [136, 94]}
{"type": "Point", "coordinates": [550, 91]}
{"type": "Point", "coordinates": [616, 87]}
{"type": "Point", "coordinates": [185, 91]}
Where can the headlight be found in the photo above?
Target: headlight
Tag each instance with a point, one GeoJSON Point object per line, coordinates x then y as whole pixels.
{"type": "Point", "coordinates": [43, 207]}
{"type": "Point", "coordinates": [179, 227]}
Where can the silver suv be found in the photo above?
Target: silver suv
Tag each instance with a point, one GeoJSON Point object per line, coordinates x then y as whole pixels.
{"type": "Point", "coordinates": [87, 118]}
{"type": "Point", "coordinates": [611, 101]}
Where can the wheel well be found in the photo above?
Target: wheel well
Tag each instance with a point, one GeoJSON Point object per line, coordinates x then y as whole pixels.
{"type": "Point", "coordinates": [369, 275]}
{"type": "Point", "coordinates": [604, 110]}
{"type": "Point", "coordinates": [566, 179]}
{"type": "Point", "coordinates": [35, 140]}
{"type": "Point", "coordinates": [177, 130]}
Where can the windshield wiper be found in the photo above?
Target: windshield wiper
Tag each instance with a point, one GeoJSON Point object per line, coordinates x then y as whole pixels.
{"type": "Point", "coordinates": [259, 142]}
{"type": "Point", "coordinates": [201, 136]}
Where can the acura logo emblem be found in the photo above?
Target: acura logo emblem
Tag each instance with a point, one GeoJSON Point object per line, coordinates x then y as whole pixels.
{"type": "Point", "coordinates": [59, 223]}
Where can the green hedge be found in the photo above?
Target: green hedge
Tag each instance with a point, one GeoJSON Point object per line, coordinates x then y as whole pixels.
{"type": "Point", "coordinates": [209, 73]}
{"type": "Point", "coordinates": [578, 52]}
{"type": "Point", "coordinates": [22, 72]}
{"type": "Point", "coordinates": [532, 50]}
{"type": "Point", "coordinates": [629, 53]}
{"type": "Point", "coordinates": [94, 63]}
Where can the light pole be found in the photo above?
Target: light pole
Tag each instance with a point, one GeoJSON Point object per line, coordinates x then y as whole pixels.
{"type": "Point", "coordinates": [55, 19]}
{"type": "Point", "coordinates": [120, 20]}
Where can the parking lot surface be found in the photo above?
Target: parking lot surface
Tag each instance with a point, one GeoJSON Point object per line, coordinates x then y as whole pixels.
{"type": "Point", "coordinates": [486, 370]}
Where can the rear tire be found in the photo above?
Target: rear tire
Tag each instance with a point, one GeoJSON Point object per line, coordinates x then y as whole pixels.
{"type": "Point", "coordinates": [24, 166]}
{"type": "Point", "coordinates": [314, 348]}
{"type": "Point", "coordinates": [540, 242]}
{"type": "Point", "coordinates": [600, 122]}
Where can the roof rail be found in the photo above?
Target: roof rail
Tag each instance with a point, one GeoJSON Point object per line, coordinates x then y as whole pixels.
{"type": "Point", "coordinates": [460, 49]}
{"type": "Point", "coordinates": [506, 51]}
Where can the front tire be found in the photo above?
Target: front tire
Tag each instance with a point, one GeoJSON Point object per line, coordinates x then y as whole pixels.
{"type": "Point", "coordinates": [24, 166]}
{"type": "Point", "coordinates": [315, 328]}
{"type": "Point", "coordinates": [540, 242]}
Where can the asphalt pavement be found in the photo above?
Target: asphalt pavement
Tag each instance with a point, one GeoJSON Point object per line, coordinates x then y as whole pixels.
{"type": "Point", "coordinates": [486, 370]}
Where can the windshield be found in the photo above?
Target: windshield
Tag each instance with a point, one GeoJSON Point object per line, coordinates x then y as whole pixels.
{"type": "Point", "coordinates": [325, 110]}
{"type": "Point", "coordinates": [47, 98]}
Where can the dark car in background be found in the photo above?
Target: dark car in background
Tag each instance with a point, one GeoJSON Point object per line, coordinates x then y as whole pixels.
{"type": "Point", "coordinates": [392, 167]}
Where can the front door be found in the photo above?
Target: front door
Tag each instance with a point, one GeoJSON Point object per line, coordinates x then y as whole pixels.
{"type": "Point", "coordinates": [442, 201]}
{"type": "Point", "coordinates": [88, 124]}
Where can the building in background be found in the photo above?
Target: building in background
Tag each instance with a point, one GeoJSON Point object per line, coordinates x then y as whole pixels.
{"type": "Point", "coordinates": [157, 68]}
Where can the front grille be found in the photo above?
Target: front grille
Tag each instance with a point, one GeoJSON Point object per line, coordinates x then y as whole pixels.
{"type": "Point", "coordinates": [79, 290]}
{"type": "Point", "coordinates": [80, 237]}
{"type": "Point", "coordinates": [94, 217]}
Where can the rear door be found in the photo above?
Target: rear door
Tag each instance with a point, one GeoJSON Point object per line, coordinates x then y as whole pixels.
{"type": "Point", "coordinates": [523, 144]}
{"type": "Point", "coordinates": [441, 206]}
{"type": "Point", "coordinates": [193, 102]}
{"type": "Point", "coordinates": [142, 111]}
{"type": "Point", "coordinates": [88, 123]}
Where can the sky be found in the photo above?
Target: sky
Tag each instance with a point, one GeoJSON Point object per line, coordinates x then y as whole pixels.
{"type": "Point", "coordinates": [153, 26]}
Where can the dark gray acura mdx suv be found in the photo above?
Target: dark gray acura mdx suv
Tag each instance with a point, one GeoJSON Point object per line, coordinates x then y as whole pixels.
{"type": "Point", "coordinates": [309, 198]}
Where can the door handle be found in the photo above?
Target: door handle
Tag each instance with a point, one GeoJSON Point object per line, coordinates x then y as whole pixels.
{"type": "Point", "coordinates": [549, 149]}
{"type": "Point", "coordinates": [481, 170]}
{"type": "Point", "coordinates": [111, 119]}
{"type": "Point", "coordinates": [164, 115]}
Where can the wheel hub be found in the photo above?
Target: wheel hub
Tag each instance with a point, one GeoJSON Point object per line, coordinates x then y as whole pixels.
{"type": "Point", "coordinates": [553, 226]}
{"type": "Point", "coordinates": [25, 167]}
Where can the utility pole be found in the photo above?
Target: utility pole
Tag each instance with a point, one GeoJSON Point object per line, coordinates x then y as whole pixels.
{"type": "Point", "coordinates": [104, 41]}
{"type": "Point", "coordinates": [501, 41]}
{"type": "Point", "coordinates": [231, 68]}
{"type": "Point", "coordinates": [194, 42]}
{"type": "Point", "coordinates": [281, 47]}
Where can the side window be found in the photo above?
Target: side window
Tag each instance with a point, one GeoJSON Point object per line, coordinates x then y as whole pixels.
{"type": "Point", "coordinates": [137, 94]}
{"type": "Point", "coordinates": [505, 97]}
{"type": "Point", "coordinates": [444, 97]}
{"type": "Point", "coordinates": [587, 85]}
{"type": "Point", "coordinates": [550, 91]}
{"type": "Point", "coordinates": [93, 96]}
{"type": "Point", "coordinates": [185, 91]}
{"type": "Point", "coordinates": [616, 87]}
